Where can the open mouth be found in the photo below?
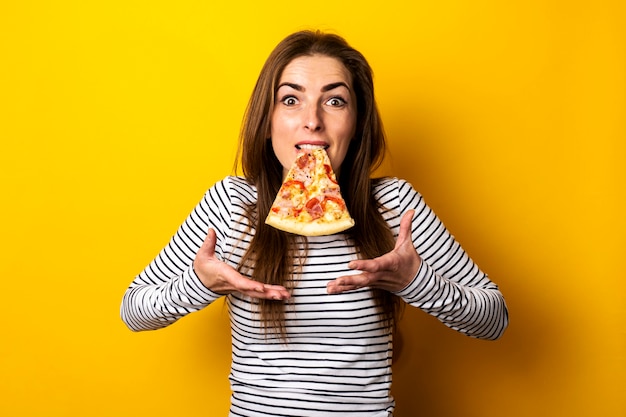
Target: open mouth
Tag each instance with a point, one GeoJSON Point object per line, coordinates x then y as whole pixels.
{"type": "Point", "coordinates": [308, 146]}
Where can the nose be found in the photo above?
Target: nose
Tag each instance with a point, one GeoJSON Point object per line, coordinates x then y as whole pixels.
{"type": "Point", "coordinates": [313, 119]}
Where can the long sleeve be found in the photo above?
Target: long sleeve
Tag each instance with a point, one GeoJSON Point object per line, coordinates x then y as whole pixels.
{"type": "Point", "coordinates": [168, 288]}
{"type": "Point", "coordinates": [448, 284]}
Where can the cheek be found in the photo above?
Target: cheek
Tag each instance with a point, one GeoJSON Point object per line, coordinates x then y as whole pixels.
{"type": "Point", "coordinates": [349, 126]}
{"type": "Point", "coordinates": [284, 152]}
{"type": "Point", "coordinates": [280, 123]}
{"type": "Point", "coordinates": [339, 155]}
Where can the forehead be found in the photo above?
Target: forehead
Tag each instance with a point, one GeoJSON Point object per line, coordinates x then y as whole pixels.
{"type": "Point", "coordinates": [316, 68]}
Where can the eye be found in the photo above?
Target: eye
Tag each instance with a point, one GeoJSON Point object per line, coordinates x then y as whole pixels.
{"type": "Point", "coordinates": [289, 101]}
{"type": "Point", "coordinates": [336, 102]}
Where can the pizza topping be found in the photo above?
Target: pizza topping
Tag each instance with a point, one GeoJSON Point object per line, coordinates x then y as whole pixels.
{"type": "Point", "coordinates": [295, 183]}
{"type": "Point", "coordinates": [302, 161]}
{"type": "Point", "coordinates": [329, 173]}
{"type": "Point", "coordinates": [314, 208]}
{"type": "Point", "coordinates": [336, 200]}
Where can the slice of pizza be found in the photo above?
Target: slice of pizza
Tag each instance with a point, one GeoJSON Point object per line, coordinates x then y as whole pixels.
{"type": "Point", "coordinates": [309, 202]}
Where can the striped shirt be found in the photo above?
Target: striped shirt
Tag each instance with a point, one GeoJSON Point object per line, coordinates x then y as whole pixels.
{"type": "Point", "coordinates": [337, 359]}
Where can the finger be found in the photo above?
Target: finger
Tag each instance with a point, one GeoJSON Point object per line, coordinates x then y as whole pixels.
{"type": "Point", "coordinates": [385, 263]}
{"type": "Point", "coordinates": [256, 289]}
{"type": "Point", "coordinates": [276, 292]}
{"type": "Point", "coordinates": [369, 265]}
{"type": "Point", "coordinates": [269, 294]}
{"type": "Point", "coordinates": [347, 283]}
{"type": "Point", "coordinates": [270, 287]}
{"type": "Point", "coordinates": [245, 285]}
{"type": "Point", "coordinates": [334, 288]}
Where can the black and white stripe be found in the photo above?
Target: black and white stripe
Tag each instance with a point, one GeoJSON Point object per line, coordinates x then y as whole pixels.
{"type": "Point", "coordinates": [337, 360]}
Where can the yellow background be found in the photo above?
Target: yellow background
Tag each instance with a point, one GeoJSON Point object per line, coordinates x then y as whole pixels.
{"type": "Point", "coordinates": [116, 116]}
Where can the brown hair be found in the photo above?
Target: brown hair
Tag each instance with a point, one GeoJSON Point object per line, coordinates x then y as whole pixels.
{"type": "Point", "coordinates": [371, 234]}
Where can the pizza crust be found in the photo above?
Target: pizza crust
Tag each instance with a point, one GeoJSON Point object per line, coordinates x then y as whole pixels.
{"type": "Point", "coordinates": [314, 228]}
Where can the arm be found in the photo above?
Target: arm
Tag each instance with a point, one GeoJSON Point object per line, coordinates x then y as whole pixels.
{"type": "Point", "coordinates": [431, 271]}
{"type": "Point", "coordinates": [168, 288]}
{"type": "Point", "coordinates": [448, 284]}
{"type": "Point", "coordinates": [189, 273]}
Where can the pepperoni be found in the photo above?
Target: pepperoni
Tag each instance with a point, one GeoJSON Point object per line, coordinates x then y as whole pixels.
{"type": "Point", "coordinates": [314, 208]}
{"type": "Point", "coordinates": [335, 200]}
{"type": "Point", "coordinates": [329, 170]}
{"type": "Point", "coordinates": [295, 183]}
{"type": "Point", "coordinates": [303, 160]}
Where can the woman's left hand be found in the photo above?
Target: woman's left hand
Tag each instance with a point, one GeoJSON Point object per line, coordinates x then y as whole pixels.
{"type": "Point", "coordinates": [392, 271]}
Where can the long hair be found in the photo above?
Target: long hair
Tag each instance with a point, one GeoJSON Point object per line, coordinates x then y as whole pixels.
{"type": "Point", "coordinates": [371, 234]}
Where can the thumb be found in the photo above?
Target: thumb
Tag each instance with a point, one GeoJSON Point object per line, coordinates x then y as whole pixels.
{"type": "Point", "coordinates": [207, 250]}
{"type": "Point", "coordinates": [405, 228]}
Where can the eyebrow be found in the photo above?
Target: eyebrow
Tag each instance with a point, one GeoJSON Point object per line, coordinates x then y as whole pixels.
{"type": "Point", "coordinates": [325, 88]}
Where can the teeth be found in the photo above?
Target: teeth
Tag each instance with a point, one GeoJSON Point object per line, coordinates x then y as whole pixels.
{"type": "Point", "coordinates": [310, 147]}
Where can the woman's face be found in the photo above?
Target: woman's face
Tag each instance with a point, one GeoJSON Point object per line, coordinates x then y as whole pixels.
{"type": "Point", "coordinates": [315, 106]}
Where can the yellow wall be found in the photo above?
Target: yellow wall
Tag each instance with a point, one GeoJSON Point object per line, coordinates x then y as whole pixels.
{"type": "Point", "coordinates": [116, 116]}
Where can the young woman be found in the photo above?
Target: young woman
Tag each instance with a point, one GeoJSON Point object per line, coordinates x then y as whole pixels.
{"type": "Point", "coordinates": [312, 318]}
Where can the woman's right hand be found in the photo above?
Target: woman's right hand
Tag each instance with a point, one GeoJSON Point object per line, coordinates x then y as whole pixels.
{"type": "Point", "coordinates": [224, 279]}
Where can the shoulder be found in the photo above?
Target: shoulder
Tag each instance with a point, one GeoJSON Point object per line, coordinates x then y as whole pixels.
{"type": "Point", "coordinates": [234, 189]}
{"type": "Point", "coordinates": [227, 204]}
{"type": "Point", "coordinates": [241, 189]}
{"type": "Point", "coordinates": [389, 188]}
{"type": "Point", "coordinates": [395, 196]}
